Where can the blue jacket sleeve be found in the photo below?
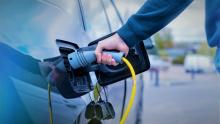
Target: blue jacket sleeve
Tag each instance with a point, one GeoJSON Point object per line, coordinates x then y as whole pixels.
{"type": "Point", "coordinates": [213, 22]}
{"type": "Point", "coordinates": [151, 17]}
{"type": "Point", "coordinates": [213, 28]}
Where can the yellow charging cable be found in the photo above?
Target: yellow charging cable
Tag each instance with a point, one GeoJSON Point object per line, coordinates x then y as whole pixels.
{"type": "Point", "coordinates": [50, 104]}
{"type": "Point", "coordinates": [133, 92]}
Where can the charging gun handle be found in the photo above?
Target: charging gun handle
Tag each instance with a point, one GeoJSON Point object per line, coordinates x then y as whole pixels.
{"type": "Point", "coordinates": [85, 58]}
{"type": "Point", "coordinates": [116, 55]}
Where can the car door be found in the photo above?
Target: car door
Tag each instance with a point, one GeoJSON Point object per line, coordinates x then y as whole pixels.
{"type": "Point", "coordinates": [102, 17]}
{"type": "Point", "coordinates": [116, 21]}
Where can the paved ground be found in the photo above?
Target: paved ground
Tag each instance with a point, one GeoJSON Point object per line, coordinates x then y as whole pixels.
{"type": "Point", "coordinates": [182, 100]}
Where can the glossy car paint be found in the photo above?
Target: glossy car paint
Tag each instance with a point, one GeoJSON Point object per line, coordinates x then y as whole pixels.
{"type": "Point", "coordinates": [31, 27]}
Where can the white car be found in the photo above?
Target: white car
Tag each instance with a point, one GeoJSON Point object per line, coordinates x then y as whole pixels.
{"type": "Point", "coordinates": [198, 64]}
{"type": "Point", "coordinates": [158, 63]}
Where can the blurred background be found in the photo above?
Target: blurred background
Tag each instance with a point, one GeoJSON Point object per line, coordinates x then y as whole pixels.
{"type": "Point", "coordinates": [181, 87]}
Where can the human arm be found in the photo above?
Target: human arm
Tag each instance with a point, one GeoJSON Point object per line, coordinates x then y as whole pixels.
{"type": "Point", "coordinates": [151, 17]}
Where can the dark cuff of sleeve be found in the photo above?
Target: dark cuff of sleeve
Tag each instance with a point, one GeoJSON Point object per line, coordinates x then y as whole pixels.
{"type": "Point", "coordinates": [128, 36]}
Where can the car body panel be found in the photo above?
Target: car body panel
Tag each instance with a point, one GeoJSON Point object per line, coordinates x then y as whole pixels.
{"type": "Point", "coordinates": [31, 27]}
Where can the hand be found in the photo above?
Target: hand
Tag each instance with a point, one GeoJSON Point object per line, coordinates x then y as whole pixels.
{"type": "Point", "coordinates": [112, 43]}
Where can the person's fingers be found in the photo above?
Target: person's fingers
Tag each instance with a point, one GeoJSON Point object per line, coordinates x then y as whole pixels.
{"type": "Point", "coordinates": [98, 53]}
{"type": "Point", "coordinates": [104, 59]}
{"type": "Point", "coordinates": [113, 62]}
{"type": "Point", "coordinates": [109, 59]}
{"type": "Point", "coordinates": [112, 43]}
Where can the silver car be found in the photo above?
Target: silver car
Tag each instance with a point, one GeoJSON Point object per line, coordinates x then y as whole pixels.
{"type": "Point", "coordinates": [28, 29]}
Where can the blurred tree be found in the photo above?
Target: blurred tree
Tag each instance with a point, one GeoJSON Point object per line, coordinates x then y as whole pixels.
{"type": "Point", "coordinates": [204, 49]}
{"type": "Point", "coordinates": [164, 39]}
{"type": "Point", "coordinates": [158, 41]}
{"type": "Point", "coordinates": [163, 54]}
{"type": "Point", "coordinates": [179, 60]}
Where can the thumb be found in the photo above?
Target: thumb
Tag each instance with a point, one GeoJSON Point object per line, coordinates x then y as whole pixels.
{"type": "Point", "coordinates": [123, 48]}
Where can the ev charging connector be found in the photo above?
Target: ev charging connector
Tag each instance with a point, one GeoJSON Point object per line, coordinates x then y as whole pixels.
{"type": "Point", "coordinates": [86, 58]}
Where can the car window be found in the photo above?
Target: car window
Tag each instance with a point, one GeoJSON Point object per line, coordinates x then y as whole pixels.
{"type": "Point", "coordinates": [95, 18]}
{"type": "Point", "coordinates": [128, 7]}
{"type": "Point", "coordinates": [38, 24]}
